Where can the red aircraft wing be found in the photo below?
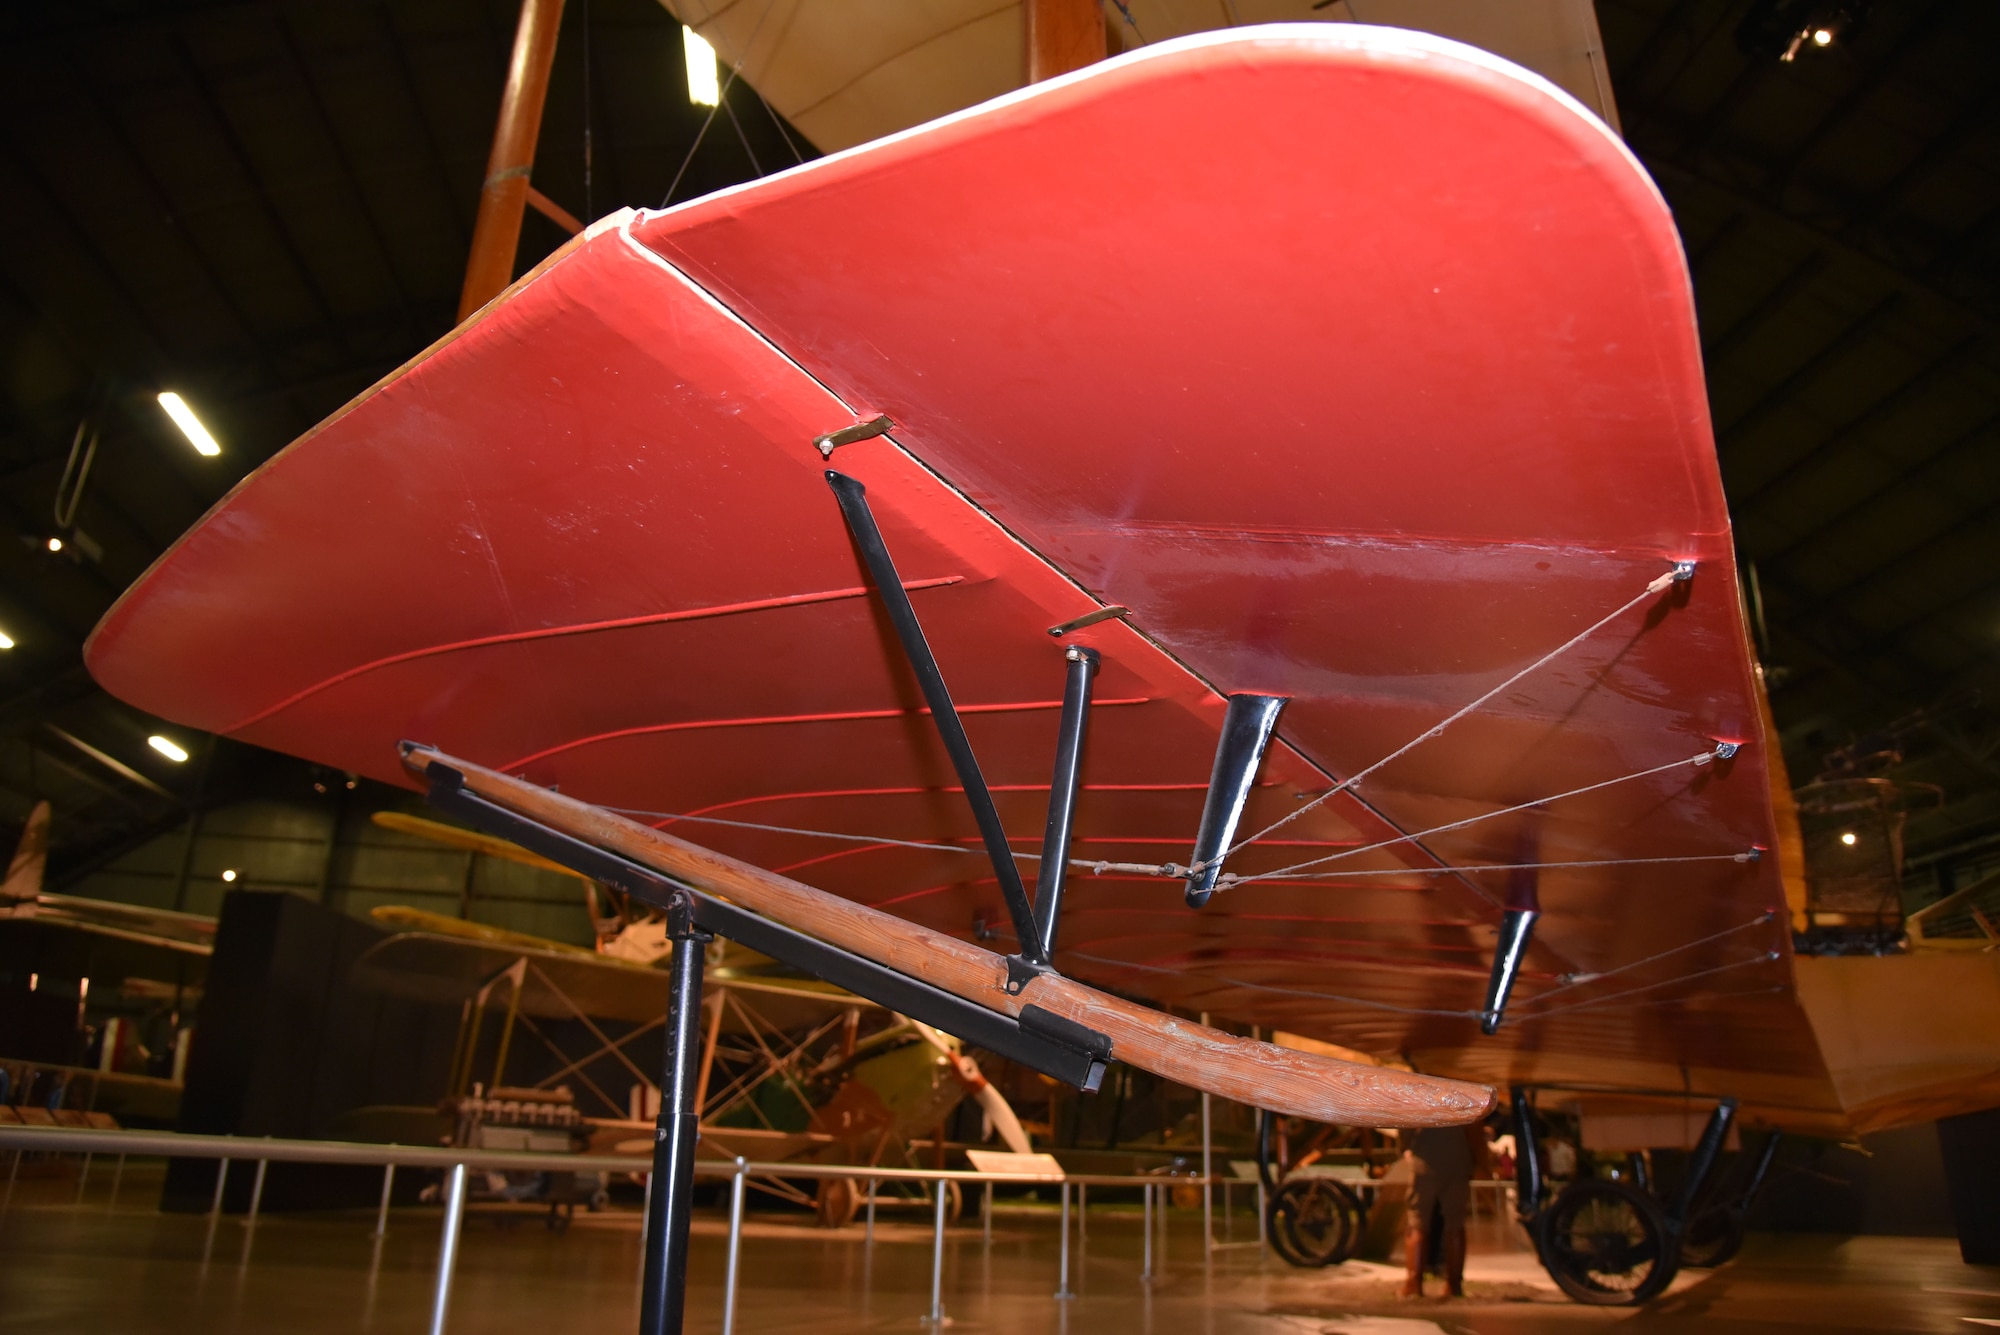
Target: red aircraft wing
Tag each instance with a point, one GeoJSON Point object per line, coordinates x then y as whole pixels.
{"type": "Point", "coordinates": [1359, 365]}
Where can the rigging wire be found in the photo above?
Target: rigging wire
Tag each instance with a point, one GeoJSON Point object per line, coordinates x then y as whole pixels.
{"type": "Point", "coordinates": [1584, 980]}
{"type": "Point", "coordinates": [1364, 1002]}
{"type": "Point", "coordinates": [721, 98]}
{"type": "Point", "coordinates": [778, 122]}
{"type": "Point", "coordinates": [1681, 573]}
{"type": "Point", "coordinates": [1765, 957]}
{"type": "Point", "coordinates": [1720, 751]}
{"type": "Point", "coordinates": [1750, 855]}
{"type": "Point", "coordinates": [743, 138]}
{"type": "Point", "coordinates": [1164, 871]}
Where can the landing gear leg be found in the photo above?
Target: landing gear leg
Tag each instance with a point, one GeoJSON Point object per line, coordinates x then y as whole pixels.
{"type": "Point", "coordinates": [664, 1286]}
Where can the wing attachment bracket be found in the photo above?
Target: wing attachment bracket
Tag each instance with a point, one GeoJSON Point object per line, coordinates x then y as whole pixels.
{"type": "Point", "coordinates": [875, 426]}
{"type": "Point", "coordinates": [1058, 1048]}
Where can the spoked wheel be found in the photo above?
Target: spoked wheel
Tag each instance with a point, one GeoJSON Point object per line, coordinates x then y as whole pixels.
{"type": "Point", "coordinates": [1606, 1244]}
{"type": "Point", "coordinates": [1711, 1238]}
{"type": "Point", "coordinates": [836, 1203]}
{"type": "Point", "coordinates": [1314, 1221]}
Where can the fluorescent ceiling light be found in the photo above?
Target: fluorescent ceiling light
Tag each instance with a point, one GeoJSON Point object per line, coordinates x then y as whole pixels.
{"type": "Point", "coordinates": [166, 748]}
{"type": "Point", "coordinates": [703, 88]}
{"type": "Point", "coordinates": [189, 424]}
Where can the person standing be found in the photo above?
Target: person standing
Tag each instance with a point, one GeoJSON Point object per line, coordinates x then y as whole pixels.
{"type": "Point", "coordinates": [1444, 1159]}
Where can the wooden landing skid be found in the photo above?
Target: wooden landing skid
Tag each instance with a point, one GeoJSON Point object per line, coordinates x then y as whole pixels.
{"type": "Point", "coordinates": [1262, 1075]}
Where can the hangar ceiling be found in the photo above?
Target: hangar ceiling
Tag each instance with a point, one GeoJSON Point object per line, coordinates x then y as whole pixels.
{"type": "Point", "coordinates": [266, 205]}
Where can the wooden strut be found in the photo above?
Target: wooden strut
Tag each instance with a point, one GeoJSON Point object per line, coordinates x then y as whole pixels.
{"type": "Point", "coordinates": [496, 232]}
{"type": "Point", "coordinates": [1261, 1075]}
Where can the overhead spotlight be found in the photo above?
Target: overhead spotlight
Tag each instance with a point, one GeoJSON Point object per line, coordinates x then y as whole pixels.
{"type": "Point", "coordinates": [6, 640]}
{"type": "Point", "coordinates": [704, 88]}
{"type": "Point", "coordinates": [190, 425]}
{"type": "Point", "coordinates": [229, 875]}
{"type": "Point", "coordinates": [55, 544]}
{"type": "Point", "coordinates": [1781, 29]}
{"type": "Point", "coordinates": [166, 747]}
{"type": "Point", "coordinates": [1848, 838]}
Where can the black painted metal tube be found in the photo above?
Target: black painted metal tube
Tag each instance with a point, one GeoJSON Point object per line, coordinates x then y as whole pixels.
{"type": "Point", "coordinates": [1517, 928]}
{"type": "Point", "coordinates": [1762, 1169]}
{"type": "Point", "coordinates": [1701, 1163]}
{"type": "Point", "coordinates": [1267, 1172]}
{"type": "Point", "coordinates": [663, 1290]}
{"type": "Point", "coordinates": [853, 498]}
{"type": "Point", "coordinates": [1527, 1158]}
{"type": "Point", "coordinates": [1063, 787]}
{"type": "Point", "coordinates": [1246, 732]}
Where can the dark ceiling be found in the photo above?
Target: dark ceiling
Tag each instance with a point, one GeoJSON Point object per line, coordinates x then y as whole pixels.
{"type": "Point", "coordinates": [266, 205]}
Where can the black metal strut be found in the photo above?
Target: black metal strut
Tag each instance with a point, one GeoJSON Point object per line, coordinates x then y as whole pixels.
{"type": "Point", "coordinates": [1063, 788]}
{"type": "Point", "coordinates": [1246, 732]}
{"type": "Point", "coordinates": [1529, 1189]}
{"type": "Point", "coordinates": [1701, 1163]}
{"type": "Point", "coordinates": [663, 1287]}
{"type": "Point", "coordinates": [853, 498]}
{"type": "Point", "coordinates": [1517, 929]}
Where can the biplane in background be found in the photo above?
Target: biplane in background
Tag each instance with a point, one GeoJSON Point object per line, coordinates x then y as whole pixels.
{"type": "Point", "coordinates": [792, 1069]}
{"type": "Point", "coordinates": [144, 966]}
{"type": "Point", "coordinates": [1376, 449]}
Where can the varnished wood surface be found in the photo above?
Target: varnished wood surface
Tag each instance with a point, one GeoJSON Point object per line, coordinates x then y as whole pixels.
{"type": "Point", "coordinates": [1299, 1084]}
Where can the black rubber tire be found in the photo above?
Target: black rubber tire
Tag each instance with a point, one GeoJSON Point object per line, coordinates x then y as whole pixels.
{"type": "Point", "coordinates": [1314, 1221]}
{"type": "Point", "coordinates": [1607, 1245]}
{"type": "Point", "coordinates": [1712, 1238]}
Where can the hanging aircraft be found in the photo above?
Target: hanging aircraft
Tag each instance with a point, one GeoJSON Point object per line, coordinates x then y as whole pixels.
{"type": "Point", "coordinates": [1306, 422]}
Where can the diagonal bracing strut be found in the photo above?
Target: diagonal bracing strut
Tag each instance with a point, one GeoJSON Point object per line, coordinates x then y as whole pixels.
{"type": "Point", "coordinates": [853, 498]}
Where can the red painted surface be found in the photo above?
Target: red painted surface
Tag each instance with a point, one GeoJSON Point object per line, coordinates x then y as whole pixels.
{"type": "Point", "coordinates": [1361, 366]}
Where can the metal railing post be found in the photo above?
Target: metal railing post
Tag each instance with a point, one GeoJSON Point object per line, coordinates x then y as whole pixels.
{"type": "Point", "coordinates": [1062, 1278]}
{"type": "Point", "coordinates": [256, 1192]}
{"type": "Point", "coordinates": [117, 1176]}
{"type": "Point", "coordinates": [1082, 1213]}
{"type": "Point", "coordinates": [1146, 1266]}
{"type": "Point", "coordinates": [986, 1215]}
{"type": "Point", "coordinates": [221, 1179]}
{"type": "Point", "coordinates": [936, 1318]}
{"type": "Point", "coordinates": [82, 1178]}
{"type": "Point", "coordinates": [382, 1211]}
{"type": "Point", "coordinates": [1263, 1240]}
{"type": "Point", "coordinates": [454, 1216]}
{"type": "Point", "coordinates": [871, 1212]}
{"type": "Point", "coordinates": [1207, 1176]}
{"type": "Point", "coordinates": [735, 1249]}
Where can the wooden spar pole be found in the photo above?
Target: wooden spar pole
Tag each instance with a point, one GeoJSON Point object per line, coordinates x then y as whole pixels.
{"type": "Point", "coordinates": [1295, 1084]}
{"type": "Point", "coordinates": [1063, 35]}
{"type": "Point", "coordinates": [496, 233]}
